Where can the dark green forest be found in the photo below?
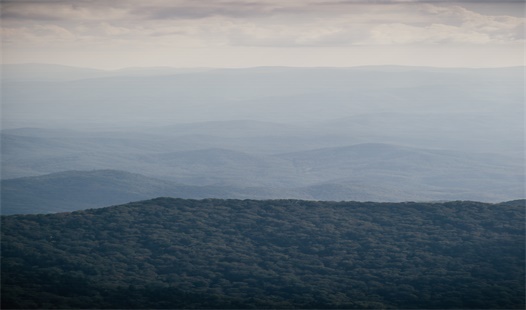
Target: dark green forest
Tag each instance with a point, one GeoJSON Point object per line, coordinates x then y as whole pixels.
{"type": "Point", "coordinates": [177, 253]}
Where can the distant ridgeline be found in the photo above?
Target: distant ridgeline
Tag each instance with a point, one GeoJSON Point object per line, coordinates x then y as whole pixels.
{"type": "Point", "coordinates": [176, 253]}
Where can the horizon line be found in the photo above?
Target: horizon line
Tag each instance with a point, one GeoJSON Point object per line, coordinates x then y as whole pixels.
{"type": "Point", "coordinates": [256, 67]}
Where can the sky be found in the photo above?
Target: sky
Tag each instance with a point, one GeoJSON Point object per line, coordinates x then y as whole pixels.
{"type": "Point", "coordinates": [248, 33]}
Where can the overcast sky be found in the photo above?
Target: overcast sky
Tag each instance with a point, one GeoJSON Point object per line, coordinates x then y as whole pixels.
{"type": "Point", "coordinates": [246, 33]}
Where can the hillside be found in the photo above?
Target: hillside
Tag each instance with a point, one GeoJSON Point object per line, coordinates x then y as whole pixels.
{"type": "Point", "coordinates": [174, 253]}
{"type": "Point", "coordinates": [365, 172]}
{"type": "Point", "coordinates": [76, 190]}
{"type": "Point", "coordinates": [244, 155]}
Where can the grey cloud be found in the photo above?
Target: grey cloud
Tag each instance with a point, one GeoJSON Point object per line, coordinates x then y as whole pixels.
{"type": "Point", "coordinates": [11, 14]}
{"type": "Point", "coordinates": [349, 2]}
{"type": "Point", "coordinates": [151, 12]}
{"type": "Point", "coordinates": [519, 33]}
{"type": "Point", "coordinates": [54, 10]}
{"type": "Point", "coordinates": [21, 10]}
{"type": "Point", "coordinates": [228, 9]}
{"type": "Point", "coordinates": [49, 10]}
{"type": "Point", "coordinates": [293, 22]}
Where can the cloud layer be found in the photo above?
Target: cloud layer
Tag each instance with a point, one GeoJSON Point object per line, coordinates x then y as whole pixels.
{"type": "Point", "coordinates": [255, 23]}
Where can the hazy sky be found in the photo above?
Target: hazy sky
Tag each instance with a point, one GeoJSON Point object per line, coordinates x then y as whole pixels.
{"type": "Point", "coordinates": [244, 33]}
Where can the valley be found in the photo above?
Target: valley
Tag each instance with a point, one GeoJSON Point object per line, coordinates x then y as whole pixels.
{"type": "Point", "coordinates": [384, 133]}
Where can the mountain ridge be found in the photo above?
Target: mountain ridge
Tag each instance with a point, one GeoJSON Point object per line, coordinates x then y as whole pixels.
{"type": "Point", "coordinates": [63, 73]}
{"type": "Point", "coordinates": [68, 191]}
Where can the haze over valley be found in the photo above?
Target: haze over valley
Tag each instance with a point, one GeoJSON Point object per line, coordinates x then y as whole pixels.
{"type": "Point", "coordinates": [262, 154]}
{"type": "Point", "coordinates": [380, 133]}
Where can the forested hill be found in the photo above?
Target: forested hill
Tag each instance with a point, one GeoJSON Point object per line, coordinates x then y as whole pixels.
{"type": "Point", "coordinates": [176, 253]}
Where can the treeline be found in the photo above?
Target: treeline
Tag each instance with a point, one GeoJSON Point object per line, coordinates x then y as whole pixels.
{"type": "Point", "coordinates": [176, 253]}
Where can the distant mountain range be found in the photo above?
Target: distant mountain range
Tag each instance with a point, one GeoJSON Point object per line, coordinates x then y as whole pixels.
{"type": "Point", "coordinates": [51, 72]}
{"type": "Point", "coordinates": [42, 93]}
{"type": "Point", "coordinates": [76, 190]}
{"type": "Point", "coordinates": [368, 172]}
{"type": "Point", "coordinates": [385, 133]}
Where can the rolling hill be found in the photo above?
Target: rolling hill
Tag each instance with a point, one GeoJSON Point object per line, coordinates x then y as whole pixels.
{"type": "Point", "coordinates": [363, 172]}
{"type": "Point", "coordinates": [383, 133]}
{"type": "Point", "coordinates": [279, 254]}
{"type": "Point", "coordinates": [76, 190]}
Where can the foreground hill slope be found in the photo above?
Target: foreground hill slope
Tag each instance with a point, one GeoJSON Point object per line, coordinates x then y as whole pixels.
{"type": "Point", "coordinates": [175, 253]}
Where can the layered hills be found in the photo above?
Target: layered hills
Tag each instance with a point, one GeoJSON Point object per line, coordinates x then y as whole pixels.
{"type": "Point", "coordinates": [364, 172]}
{"type": "Point", "coordinates": [77, 190]}
{"type": "Point", "coordinates": [274, 94]}
{"type": "Point", "coordinates": [383, 133]}
{"type": "Point", "coordinates": [75, 141]}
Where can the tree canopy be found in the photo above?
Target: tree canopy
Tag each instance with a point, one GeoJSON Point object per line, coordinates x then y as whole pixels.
{"type": "Point", "coordinates": [212, 253]}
